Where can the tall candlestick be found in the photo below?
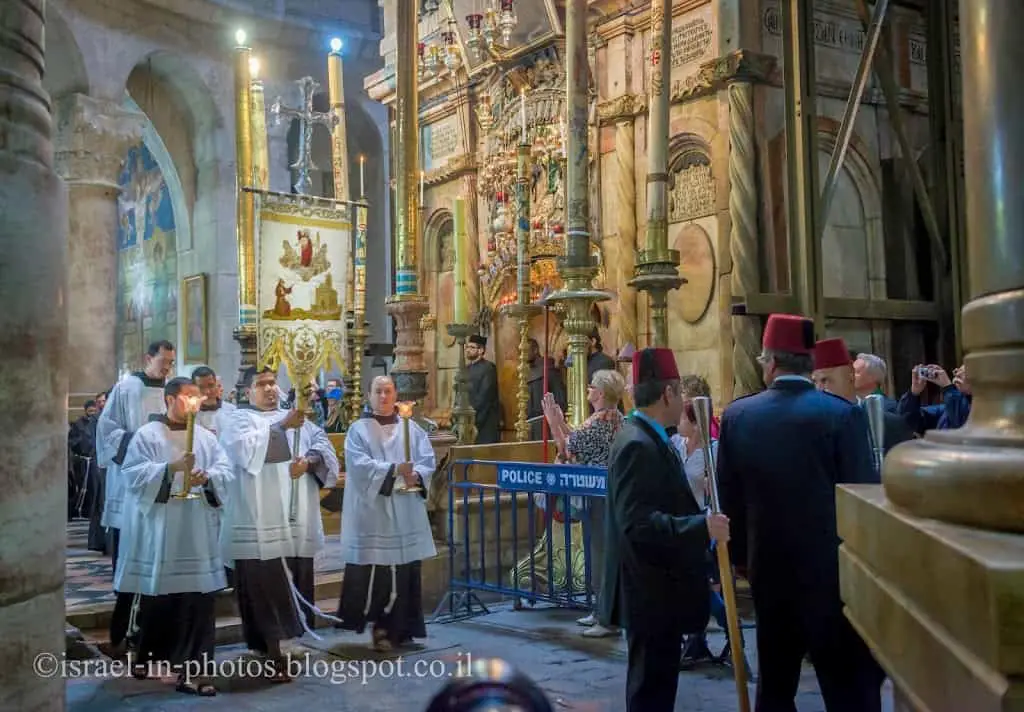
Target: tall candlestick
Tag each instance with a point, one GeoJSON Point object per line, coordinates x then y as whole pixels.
{"type": "Point", "coordinates": [461, 314]}
{"type": "Point", "coordinates": [339, 135]}
{"type": "Point", "coordinates": [362, 177]}
{"type": "Point", "coordinates": [522, 111]}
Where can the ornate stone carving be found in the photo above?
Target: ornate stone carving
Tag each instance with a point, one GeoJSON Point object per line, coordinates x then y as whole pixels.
{"type": "Point", "coordinates": [452, 168]}
{"type": "Point", "coordinates": [741, 65]}
{"type": "Point", "coordinates": [622, 107]}
{"type": "Point", "coordinates": [93, 138]}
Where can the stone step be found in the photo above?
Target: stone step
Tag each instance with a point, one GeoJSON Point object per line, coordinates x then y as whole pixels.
{"type": "Point", "coordinates": [229, 627]}
{"type": "Point", "coordinates": [97, 617]}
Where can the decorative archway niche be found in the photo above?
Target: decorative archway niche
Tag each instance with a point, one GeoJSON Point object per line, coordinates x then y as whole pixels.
{"type": "Point", "coordinates": [853, 244]}
{"type": "Point", "coordinates": [693, 225]}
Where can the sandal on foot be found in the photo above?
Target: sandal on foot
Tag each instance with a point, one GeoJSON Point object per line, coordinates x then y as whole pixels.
{"type": "Point", "coordinates": [203, 689]}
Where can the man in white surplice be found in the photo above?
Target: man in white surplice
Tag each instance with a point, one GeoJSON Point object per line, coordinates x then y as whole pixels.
{"type": "Point", "coordinates": [214, 408]}
{"type": "Point", "coordinates": [272, 526]}
{"type": "Point", "coordinates": [170, 556]}
{"type": "Point", "coordinates": [385, 533]}
{"type": "Point", "coordinates": [135, 397]}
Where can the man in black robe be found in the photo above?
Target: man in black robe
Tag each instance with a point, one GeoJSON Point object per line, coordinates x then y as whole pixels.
{"type": "Point", "coordinates": [483, 391]}
{"type": "Point", "coordinates": [82, 443]}
{"type": "Point", "coordinates": [535, 385]}
{"type": "Point", "coordinates": [656, 539]}
{"type": "Point", "coordinates": [781, 453]}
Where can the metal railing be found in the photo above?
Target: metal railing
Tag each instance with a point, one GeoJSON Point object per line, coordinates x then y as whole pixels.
{"type": "Point", "coordinates": [497, 546]}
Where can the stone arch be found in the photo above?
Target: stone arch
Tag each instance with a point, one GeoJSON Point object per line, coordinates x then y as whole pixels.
{"type": "Point", "coordinates": [204, 201]}
{"type": "Point", "coordinates": [686, 150]}
{"type": "Point", "coordinates": [66, 71]}
{"type": "Point", "coordinates": [862, 213]}
{"type": "Point", "coordinates": [439, 227]}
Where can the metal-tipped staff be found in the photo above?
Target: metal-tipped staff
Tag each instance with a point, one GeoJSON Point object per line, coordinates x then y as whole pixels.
{"type": "Point", "coordinates": [874, 406]}
{"type": "Point", "coordinates": [702, 409]}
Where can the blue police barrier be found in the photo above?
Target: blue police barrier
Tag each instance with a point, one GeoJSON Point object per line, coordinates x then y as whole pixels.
{"type": "Point", "coordinates": [557, 568]}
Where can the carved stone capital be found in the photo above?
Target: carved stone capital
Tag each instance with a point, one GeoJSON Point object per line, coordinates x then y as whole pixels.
{"type": "Point", "coordinates": [92, 139]}
{"type": "Point", "coordinates": [460, 165]}
{"type": "Point", "coordinates": [713, 75]}
{"type": "Point", "coordinates": [627, 106]}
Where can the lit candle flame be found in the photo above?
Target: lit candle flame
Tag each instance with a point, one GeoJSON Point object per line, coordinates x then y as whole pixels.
{"type": "Point", "coordinates": [240, 37]}
{"type": "Point", "coordinates": [405, 409]}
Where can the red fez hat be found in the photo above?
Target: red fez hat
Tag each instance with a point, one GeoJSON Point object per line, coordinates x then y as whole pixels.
{"type": "Point", "coordinates": [789, 333]}
{"type": "Point", "coordinates": [830, 353]}
{"type": "Point", "coordinates": [654, 365]}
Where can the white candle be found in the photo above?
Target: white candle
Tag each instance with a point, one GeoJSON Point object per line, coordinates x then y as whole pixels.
{"type": "Point", "coordinates": [362, 177]}
{"type": "Point", "coordinates": [522, 111]}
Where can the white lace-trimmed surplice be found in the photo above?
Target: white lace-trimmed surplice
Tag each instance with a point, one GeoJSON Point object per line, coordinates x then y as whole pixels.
{"type": "Point", "coordinates": [128, 408]}
{"type": "Point", "coordinates": [255, 521]}
{"type": "Point", "coordinates": [213, 420]}
{"type": "Point", "coordinates": [378, 529]}
{"type": "Point", "coordinates": [170, 547]}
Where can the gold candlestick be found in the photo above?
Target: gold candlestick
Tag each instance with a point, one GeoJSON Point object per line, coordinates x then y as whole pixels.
{"type": "Point", "coordinates": [190, 432]}
{"type": "Point", "coordinates": [405, 413]}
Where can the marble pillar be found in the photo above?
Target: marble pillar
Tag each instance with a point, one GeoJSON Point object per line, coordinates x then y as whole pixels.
{"type": "Point", "coordinates": [92, 139]}
{"type": "Point", "coordinates": [620, 114]}
{"type": "Point", "coordinates": [33, 372]}
{"type": "Point", "coordinates": [625, 195]}
{"type": "Point", "coordinates": [743, 243]}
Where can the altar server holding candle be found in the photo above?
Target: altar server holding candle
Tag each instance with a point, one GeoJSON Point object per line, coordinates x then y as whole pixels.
{"type": "Point", "coordinates": [385, 533]}
{"type": "Point", "coordinates": [175, 479]}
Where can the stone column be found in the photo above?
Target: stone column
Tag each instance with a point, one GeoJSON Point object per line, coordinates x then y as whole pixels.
{"type": "Point", "coordinates": [955, 507]}
{"type": "Point", "coordinates": [744, 206]}
{"type": "Point", "coordinates": [33, 372]}
{"type": "Point", "coordinates": [622, 112]}
{"type": "Point", "coordinates": [93, 138]}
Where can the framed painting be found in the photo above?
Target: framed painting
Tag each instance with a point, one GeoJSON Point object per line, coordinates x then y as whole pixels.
{"type": "Point", "coordinates": [196, 344]}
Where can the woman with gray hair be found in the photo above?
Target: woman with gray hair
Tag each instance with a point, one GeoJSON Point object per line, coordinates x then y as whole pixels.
{"type": "Point", "coordinates": [590, 444]}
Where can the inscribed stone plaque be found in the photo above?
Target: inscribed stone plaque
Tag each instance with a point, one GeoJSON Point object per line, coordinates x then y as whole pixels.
{"type": "Point", "coordinates": [692, 194]}
{"type": "Point", "coordinates": [839, 39]}
{"type": "Point", "coordinates": [693, 35]}
{"type": "Point", "coordinates": [441, 142]}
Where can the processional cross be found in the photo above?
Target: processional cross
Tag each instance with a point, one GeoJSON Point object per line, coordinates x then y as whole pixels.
{"type": "Point", "coordinates": [308, 120]}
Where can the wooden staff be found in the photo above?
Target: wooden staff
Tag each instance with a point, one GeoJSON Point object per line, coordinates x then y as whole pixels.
{"type": "Point", "coordinates": [702, 409]}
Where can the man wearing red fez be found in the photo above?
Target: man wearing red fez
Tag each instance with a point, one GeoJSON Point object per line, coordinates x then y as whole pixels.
{"type": "Point", "coordinates": [834, 373]}
{"type": "Point", "coordinates": [781, 453]}
{"type": "Point", "coordinates": [657, 538]}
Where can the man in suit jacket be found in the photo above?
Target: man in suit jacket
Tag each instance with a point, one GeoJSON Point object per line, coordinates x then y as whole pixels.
{"type": "Point", "coordinates": [870, 375]}
{"type": "Point", "coordinates": [657, 538]}
{"type": "Point", "coordinates": [781, 454]}
{"type": "Point", "coordinates": [834, 373]}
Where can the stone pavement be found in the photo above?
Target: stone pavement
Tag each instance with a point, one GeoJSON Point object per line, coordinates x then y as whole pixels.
{"type": "Point", "coordinates": [575, 672]}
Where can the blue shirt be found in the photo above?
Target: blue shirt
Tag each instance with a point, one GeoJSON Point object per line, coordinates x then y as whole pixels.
{"type": "Point", "coordinates": [658, 427]}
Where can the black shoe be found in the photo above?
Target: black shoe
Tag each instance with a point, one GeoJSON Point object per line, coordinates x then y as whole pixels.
{"type": "Point", "coordinates": [695, 652]}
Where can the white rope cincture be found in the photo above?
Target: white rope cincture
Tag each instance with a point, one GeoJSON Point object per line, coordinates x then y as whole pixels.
{"type": "Point", "coordinates": [133, 622]}
{"type": "Point", "coordinates": [300, 602]}
{"type": "Point", "coordinates": [394, 590]}
{"type": "Point", "coordinates": [369, 590]}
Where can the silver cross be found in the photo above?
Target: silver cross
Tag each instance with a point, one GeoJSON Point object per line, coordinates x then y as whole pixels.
{"type": "Point", "coordinates": [308, 119]}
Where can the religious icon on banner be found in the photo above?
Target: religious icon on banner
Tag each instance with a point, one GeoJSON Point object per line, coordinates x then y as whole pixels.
{"type": "Point", "coordinates": [303, 257]}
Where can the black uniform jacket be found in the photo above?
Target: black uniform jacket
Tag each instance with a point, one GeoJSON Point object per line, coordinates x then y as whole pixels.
{"type": "Point", "coordinates": [656, 536]}
{"type": "Point", "coordinates": [781, 454]}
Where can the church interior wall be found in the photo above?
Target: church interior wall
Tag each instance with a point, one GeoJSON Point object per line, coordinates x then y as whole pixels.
{"type": "Point", "coordinates": [178, 70]}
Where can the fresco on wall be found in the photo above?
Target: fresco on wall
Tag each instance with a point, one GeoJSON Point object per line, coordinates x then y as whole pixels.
{"type": "Point", "coordinates": [147, 259]}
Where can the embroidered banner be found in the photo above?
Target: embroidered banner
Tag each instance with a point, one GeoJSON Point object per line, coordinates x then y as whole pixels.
{"type": "Point", "coordinates": [303, 257]}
